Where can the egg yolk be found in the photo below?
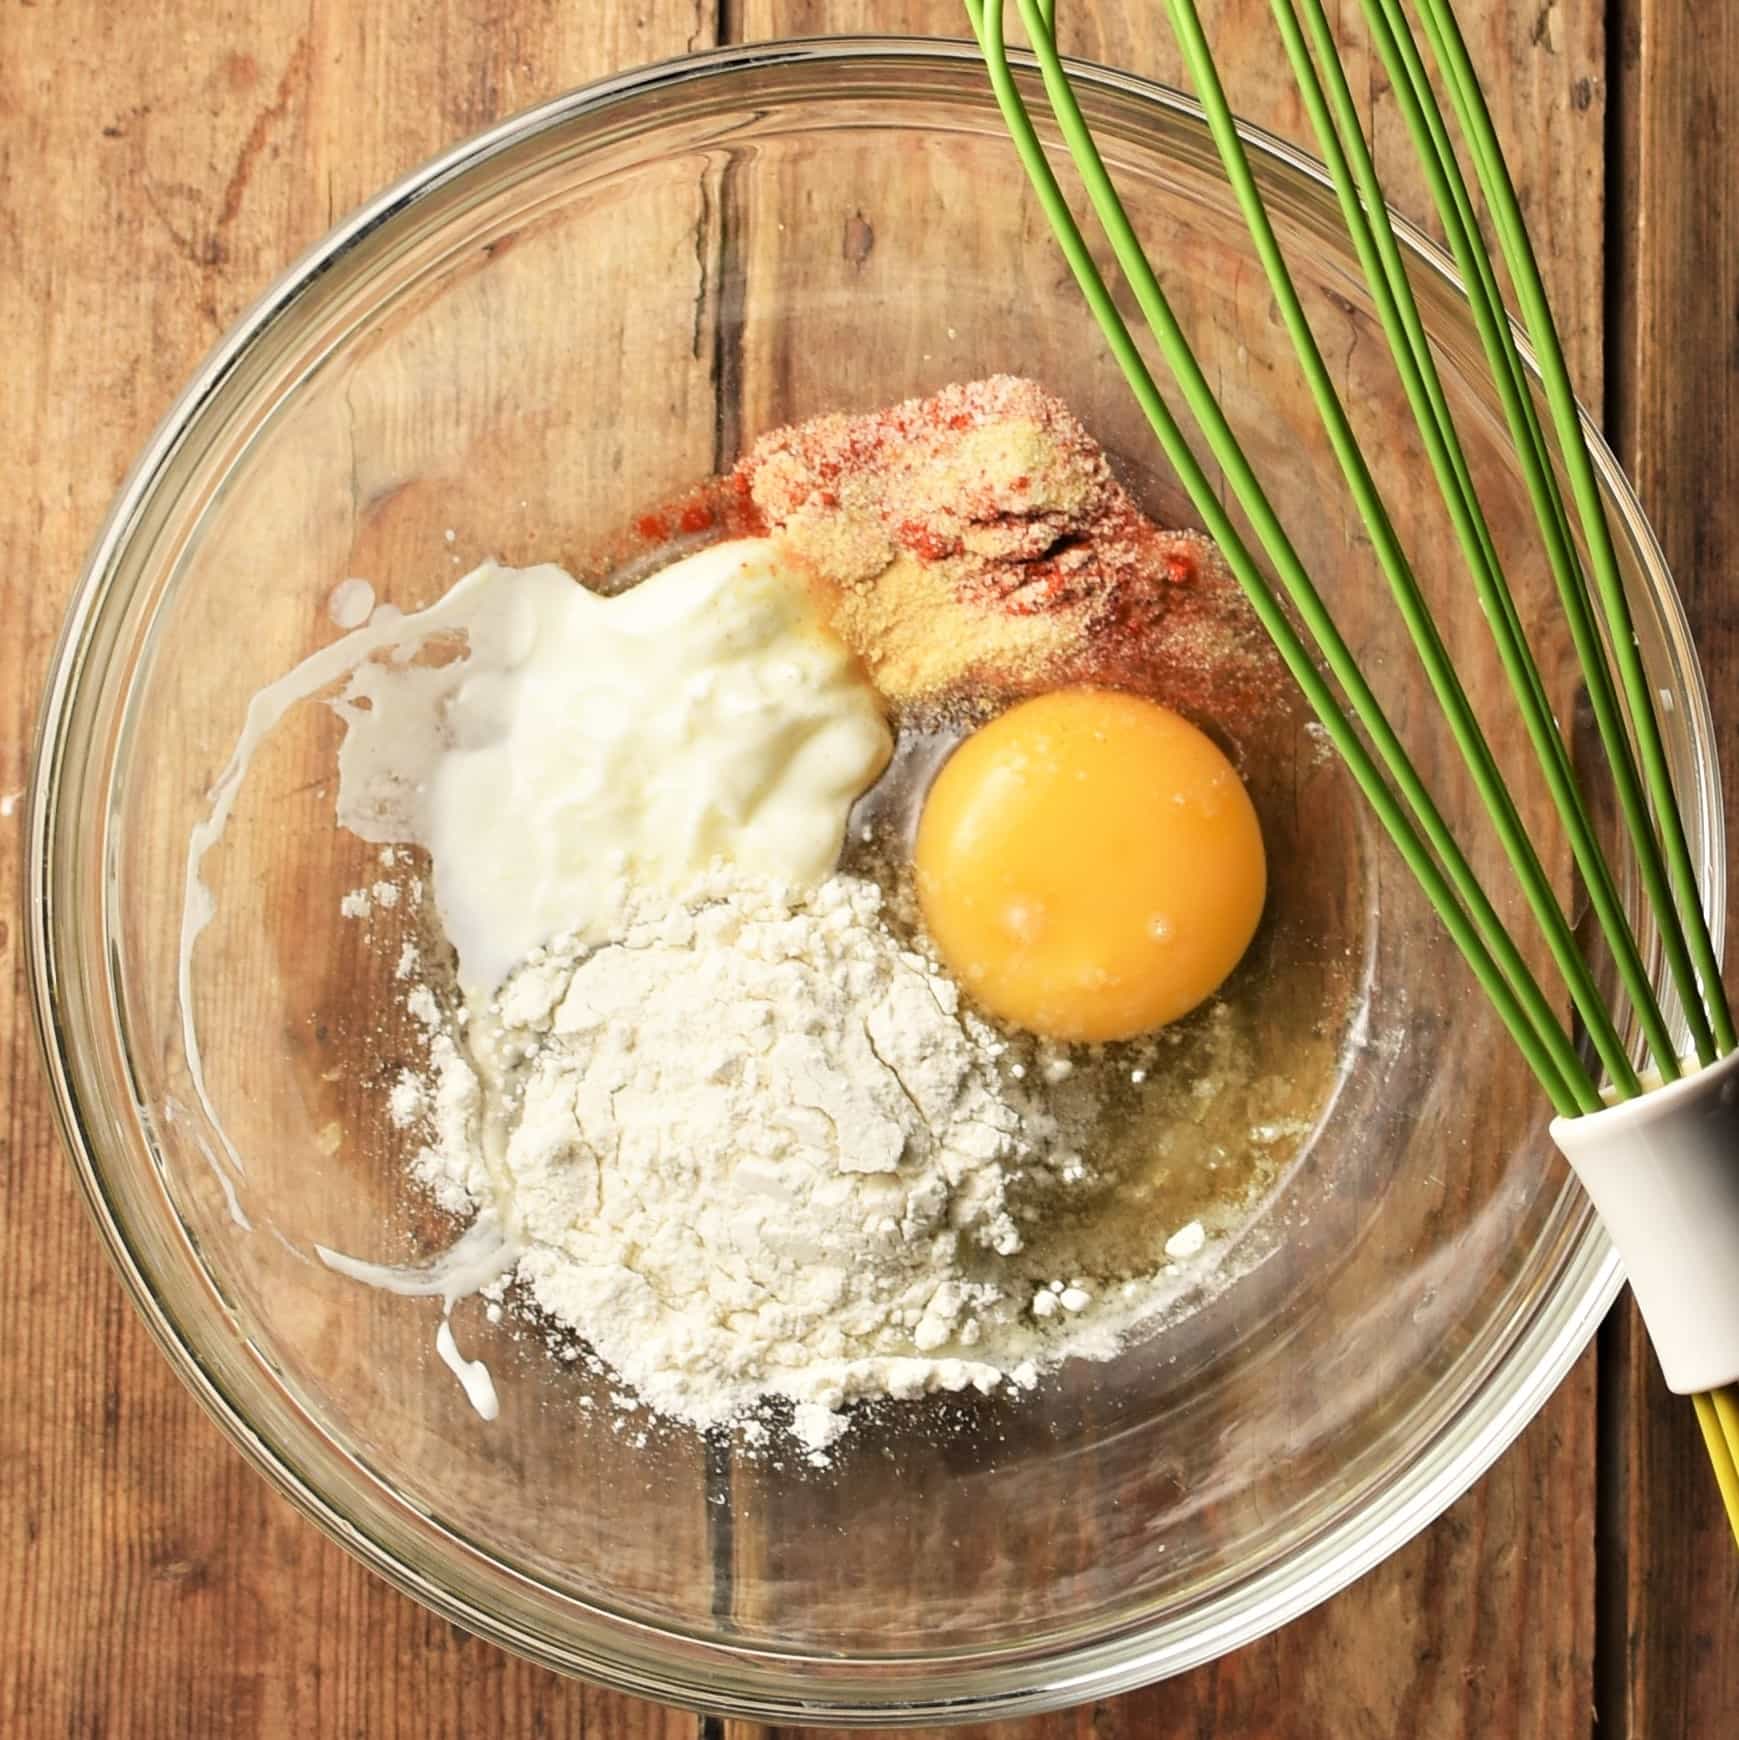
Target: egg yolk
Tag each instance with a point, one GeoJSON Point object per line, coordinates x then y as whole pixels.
{"type": "Point", "coordinates": [1089, 865]}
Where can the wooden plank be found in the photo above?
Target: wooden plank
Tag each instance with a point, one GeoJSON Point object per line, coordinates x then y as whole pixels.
{"type": "Point", "coordinates": [1486, 1620]}
{"type": "Point", "coordinates": [1669, 1639]}
{"type": "Point", "coordinates": [157, 171]}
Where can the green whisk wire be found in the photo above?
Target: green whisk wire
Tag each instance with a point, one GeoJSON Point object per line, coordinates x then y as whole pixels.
{"type": "Point", "coordinates": [1329, 102]}
{"type": "Point", "coordinates": [1598, 614]}
{"type": "Point", "coordinates": [1700, 989]}
{"type": "Point", "coordinates": [1475, 927]}
{"type": "Point", "coordinates": [1525, 1015]}
{"type": "Point", "coordinates": [1406, 69]}
{"type": "Point", "coordinates": [1488, 580]}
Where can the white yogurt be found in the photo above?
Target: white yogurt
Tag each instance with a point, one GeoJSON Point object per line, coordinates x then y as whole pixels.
{"type": "Point", "coordinates": [586, 743]}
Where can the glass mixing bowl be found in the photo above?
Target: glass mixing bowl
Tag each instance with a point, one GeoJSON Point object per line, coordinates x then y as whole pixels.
{"type": "Point", "coordinates": [513, 353]}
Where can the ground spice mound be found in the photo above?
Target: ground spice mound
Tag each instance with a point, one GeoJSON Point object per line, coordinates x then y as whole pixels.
{"type": "Point", "coordinates": [978, 536]}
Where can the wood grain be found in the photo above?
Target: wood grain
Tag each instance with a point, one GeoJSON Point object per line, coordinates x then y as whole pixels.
{"type": "Point", "coordinates": [1669, 1632]}
{"type": "Point", "coordinates": [157, 167]}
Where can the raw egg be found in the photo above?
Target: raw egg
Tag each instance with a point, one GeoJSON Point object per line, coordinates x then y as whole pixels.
{"type": "Point", "coordinates": [1089, 865]}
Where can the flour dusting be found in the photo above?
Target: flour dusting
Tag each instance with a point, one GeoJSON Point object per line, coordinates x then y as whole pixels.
{"type": "Point", "coordinates": [755, 1147]}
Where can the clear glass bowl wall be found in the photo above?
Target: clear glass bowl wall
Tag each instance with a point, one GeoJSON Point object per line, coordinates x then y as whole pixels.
{"type": "Point", "coordinates": [510, 355]}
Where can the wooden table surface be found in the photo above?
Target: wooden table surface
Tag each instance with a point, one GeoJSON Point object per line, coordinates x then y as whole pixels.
{"type": "Point", "coordinates": [158, 165]}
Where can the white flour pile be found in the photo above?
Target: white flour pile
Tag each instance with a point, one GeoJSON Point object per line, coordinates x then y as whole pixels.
{"type": "Point", "coordinates": [754, 1147]}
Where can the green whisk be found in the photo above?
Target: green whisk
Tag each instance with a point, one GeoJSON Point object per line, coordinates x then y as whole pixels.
{"type": "Point", "coordinates": [1658, 1150]}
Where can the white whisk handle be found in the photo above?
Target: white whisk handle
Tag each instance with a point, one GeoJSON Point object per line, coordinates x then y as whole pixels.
{"type": "Point", "coordinates": [1663, 1171]}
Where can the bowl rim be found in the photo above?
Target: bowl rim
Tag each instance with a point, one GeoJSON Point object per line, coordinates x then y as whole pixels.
{"type": "Point", "coordinates": [1516, 1387]}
